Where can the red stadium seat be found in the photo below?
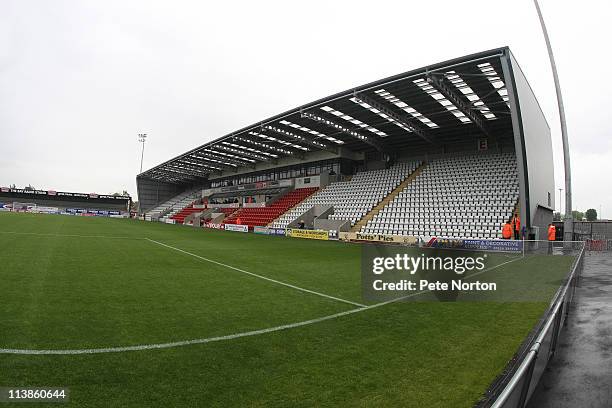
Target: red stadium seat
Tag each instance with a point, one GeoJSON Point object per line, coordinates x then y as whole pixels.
{"type": "Point", "coordinates": [262, 216]}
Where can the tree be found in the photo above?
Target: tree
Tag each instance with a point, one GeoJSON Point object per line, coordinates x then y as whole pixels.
{"type": "Point", "coordinates": [591, 214]}
{"type": "Point", "coordinates": [122, 194]}
{"type": "Point", "coordinates": [578, 215]}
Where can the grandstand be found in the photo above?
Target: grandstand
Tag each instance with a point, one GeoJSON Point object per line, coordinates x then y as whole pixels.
{"type": "Point", "coordinates": [451, 150]}
{"type": "Point", "coordinates": [63, 202]}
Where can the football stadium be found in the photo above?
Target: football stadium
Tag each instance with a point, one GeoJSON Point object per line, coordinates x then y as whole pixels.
{"type": "Point", "coordinates": [241, 281]}
{"type": "Point", "coordinates": [390, 245]}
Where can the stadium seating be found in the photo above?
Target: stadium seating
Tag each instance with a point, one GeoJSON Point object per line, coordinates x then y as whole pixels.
{"type": "Point", "coordinates": [227, 211]}
{"type": "Point", "coordinates": [180, 216]}
{"type": "Point", "coordinates": [261, 216]}
{"type": "Point", "coordinates": [174, 205]}
{"type": "Point", "coordinates": [354, 198]}
{"type": "Point", "coordinates": [463, 196]}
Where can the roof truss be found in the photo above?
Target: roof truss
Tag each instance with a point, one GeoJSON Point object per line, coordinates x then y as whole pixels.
{"type": "Point", "coordinates": [441, 83]}
{"type": "Point", "coordinates": [439, 104]}
{"type": "Point", "coordinates": [241, 153]}
{"type": "Point", "coordinates": [392, 116]}
{"type": "Point", "coordinates": [357, 134]}
{"type": "Point", "coordinates": [299, 137]}
{"type": "Point", "coordinates": [284, 150]}
{"type": "Point", "coordinates": [218, 159]}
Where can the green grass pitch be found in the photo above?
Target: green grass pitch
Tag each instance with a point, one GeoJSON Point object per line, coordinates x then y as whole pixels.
{"type": "Point", "coordinates": [73, 283]}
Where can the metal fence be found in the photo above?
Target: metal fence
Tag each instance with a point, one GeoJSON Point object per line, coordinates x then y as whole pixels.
{"type": "Point", "coordinates": [598, 244]}
{"type": "Point", "coordinates": [596, 230]}
{"type": "Point", "coordinates": [522, 374]}
{"type": "Point", "coordinates": [596, 234]}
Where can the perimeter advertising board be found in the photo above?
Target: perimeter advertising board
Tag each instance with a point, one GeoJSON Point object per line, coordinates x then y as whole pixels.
{"type": "Point", "coordinates": [261, 230]}
{"type": "Point", "coordinates": [89, 212]}
{"type": "Point", "coordinates": [380, 238]}
{"type": "Point", "coordinates": [308, 234]}
{"type": "Point", "coordinates": [277, 231]}
{"type": "Point", "coordinates": [236, 228]}
{"type": "Point", "coordinates": [498, 245]}
{"type": "Point", "coordinates": [46, 210]}
{"type": "Point", "coordinates": [213, 225]}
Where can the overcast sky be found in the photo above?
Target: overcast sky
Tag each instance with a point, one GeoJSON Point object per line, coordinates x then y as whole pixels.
{"type": "Point", "coordinates": [80, 79]}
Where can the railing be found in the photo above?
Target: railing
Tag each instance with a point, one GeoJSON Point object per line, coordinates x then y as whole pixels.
{"type": "Point", "coordinates": [584, 230]}
{"type": "Point", "coordinates": [231, 205]}
{"type": "Point", "coordinates": [598, 244]}
{"type": "Point", "coordinates": [254, 205]}
{"type": "Point", "coordinates": [278, 196]}
{"type": "Point", "coordinates": [260, 185]}
{"type": "Point", "coordinates": [522, 374]}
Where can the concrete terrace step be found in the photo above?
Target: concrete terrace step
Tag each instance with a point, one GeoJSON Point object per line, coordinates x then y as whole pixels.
{"type": "Point", "coordinates": [362, 222]}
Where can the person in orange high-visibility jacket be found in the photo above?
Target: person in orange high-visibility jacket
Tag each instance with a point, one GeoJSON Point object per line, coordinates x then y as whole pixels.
{"type": "Point", "coordinates": [507, 230]}
{"type": "Point", "coordinates": [238, 221]}
{"type": "Point", "coordinates": [517, 227]}
{"type": "Point", "coordinates": [552, 235]}
{"type": "Point", "coordinates": [552, 232]}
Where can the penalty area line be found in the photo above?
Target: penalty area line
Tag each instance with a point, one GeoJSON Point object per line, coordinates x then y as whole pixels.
{"type": "Point", "coordinates": [142, 347]}
{"type": "Point", "coordinates": [256, 275]}
{"type": "Point", "coordinates": [185, 342]}
{"type": "Point", "coordinates": [41, 234]}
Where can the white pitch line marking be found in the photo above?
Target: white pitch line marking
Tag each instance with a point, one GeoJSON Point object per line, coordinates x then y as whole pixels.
{"type": "Point", "coordinates": [256, 275]}
{"type": "Point", "coordinates": [227, 337]}
{"type": "Point", "coordinates": [40, 234]}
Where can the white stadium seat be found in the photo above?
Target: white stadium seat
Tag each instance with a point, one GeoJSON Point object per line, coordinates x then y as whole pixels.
{"type": "Point", "coordinates": [459, 197]}
{"type": "Point", "coordinates": [354, 198]}
{"type": "Point", "coordinates": [174, 205]}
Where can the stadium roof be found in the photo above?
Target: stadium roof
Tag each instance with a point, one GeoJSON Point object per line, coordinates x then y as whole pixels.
{"type": "Point", "coordinates": [441, 103]}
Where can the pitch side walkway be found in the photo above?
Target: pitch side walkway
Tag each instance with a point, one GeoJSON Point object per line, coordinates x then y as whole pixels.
{"type": "Point", "coordinates": [580, 374]}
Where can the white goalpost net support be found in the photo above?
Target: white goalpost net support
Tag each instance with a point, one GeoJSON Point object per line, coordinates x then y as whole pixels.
{"type": "Point", "coordinates": [23, 207]}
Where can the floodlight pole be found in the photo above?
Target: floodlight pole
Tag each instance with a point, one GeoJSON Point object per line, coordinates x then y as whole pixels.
{"type": "Point", "coordinates": [142, 137]}
{"type": "Point", "coordinates": [568, 221]}
{"type": "Point", "coordinates": [600, 217]}
{"type": "Point", "coordinates": [560, 202]}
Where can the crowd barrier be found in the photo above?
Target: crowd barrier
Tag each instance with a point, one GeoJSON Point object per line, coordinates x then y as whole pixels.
{"type": "Point", "coordinates": [522, 374]}
{"type": "Point", "coordinates": [598, 244]}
